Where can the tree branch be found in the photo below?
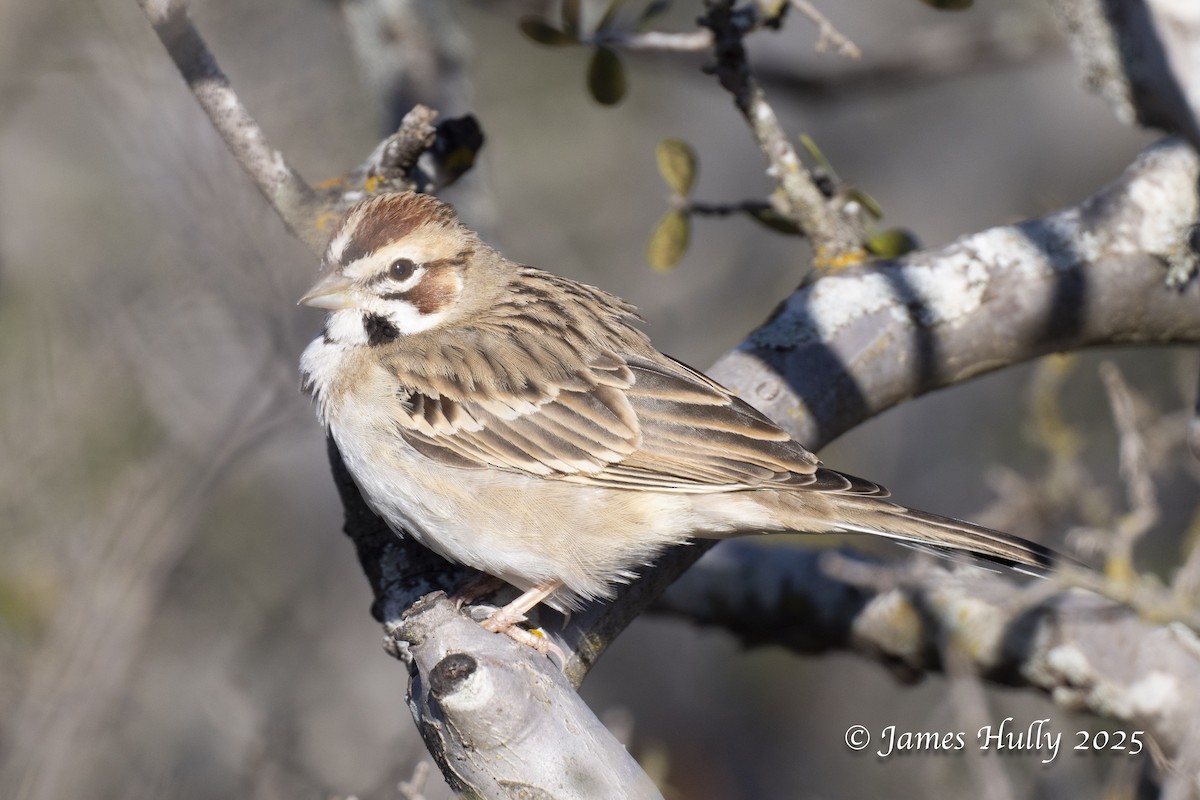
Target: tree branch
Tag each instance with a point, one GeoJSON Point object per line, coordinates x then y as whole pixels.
{"type": "Point", "coordinates": [827, 35]}
{"type": "Point", "coordinates": [835, 241]}
{"type": "Point", "coordinates": [287, 192]}
{"type": "Point", "coordinates": [861, 341]}
{"type": "Point", "coordinates": [1086, 652]}
{"type": "Point", "coordinates": [1142, 57]}
{"type": "Point", "coordinates": [498, 722]}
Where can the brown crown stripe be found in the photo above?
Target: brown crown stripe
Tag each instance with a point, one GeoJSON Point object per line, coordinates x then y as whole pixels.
{"type": "Point", "coordinates": [391, 217]}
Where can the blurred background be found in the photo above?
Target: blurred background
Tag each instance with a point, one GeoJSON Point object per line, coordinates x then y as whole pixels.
{"type": "Point", "coordinates": [180, 615]}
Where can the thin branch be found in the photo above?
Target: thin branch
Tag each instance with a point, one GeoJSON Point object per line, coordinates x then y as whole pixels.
{"type": "Point", "coordinates": [827, 35]}
{"type": "Point", "coordinates": [653, 41]}
{"type": "Point", "coordinates": [310, 213]}
{"type": "Point", "coordinates": [1144, 510]}
{"type": "Point", "coordinates": [1086, 652]}
{"type": "Point", "coordinates": [287, 192]}
{"type": "Point", "coordinates": [835, 240]}
{"type": "Point", "coordinates": [934, 53]}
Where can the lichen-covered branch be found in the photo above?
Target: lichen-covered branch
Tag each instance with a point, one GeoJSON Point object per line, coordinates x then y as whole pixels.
{"type": "Point", "coordinates": [856, 343]}
{"type": "Point", "coordinates": [1086, 652]}
{"type": "Point", "coordinates": [835, 241]}
{"type": "Point", "coordinates": [1142, 57]}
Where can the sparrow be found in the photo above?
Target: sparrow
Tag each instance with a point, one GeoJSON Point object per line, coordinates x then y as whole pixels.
{"type": "Point", "coordinates": [521, 423]}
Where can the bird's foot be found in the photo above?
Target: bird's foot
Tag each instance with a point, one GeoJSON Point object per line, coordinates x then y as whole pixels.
{"type": "Point", "coordinates": [505, 620]}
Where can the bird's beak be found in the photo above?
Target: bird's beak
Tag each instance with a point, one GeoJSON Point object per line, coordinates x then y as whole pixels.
{"type": "Point", "coordinates": [332, 292]}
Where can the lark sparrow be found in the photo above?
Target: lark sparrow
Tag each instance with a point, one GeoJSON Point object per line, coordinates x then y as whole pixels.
{"type": "Point", "coordinates": [519, 423]}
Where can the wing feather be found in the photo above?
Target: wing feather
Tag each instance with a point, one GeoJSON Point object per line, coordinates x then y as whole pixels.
{"type": "Point", "coordinates": [573, 391]}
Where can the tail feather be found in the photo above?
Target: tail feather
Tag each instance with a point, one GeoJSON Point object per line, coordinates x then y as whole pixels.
{"type": "Point", "coordinates": [895, 521]}
{"type": "Point", "coordinates": [851, 513]}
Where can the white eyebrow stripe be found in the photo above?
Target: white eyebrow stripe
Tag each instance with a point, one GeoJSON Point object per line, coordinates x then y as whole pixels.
{"type": "Point", "coordinates": [337, 245]}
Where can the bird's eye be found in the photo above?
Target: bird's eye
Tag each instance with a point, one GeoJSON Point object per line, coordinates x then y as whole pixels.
{"type": "Point", "coordinates": [402, 269]}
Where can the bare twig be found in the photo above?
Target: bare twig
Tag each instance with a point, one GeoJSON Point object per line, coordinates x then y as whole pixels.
{"type": "Point", "coordinates": [827, 35]}
{"type": "Point", "coordinates": [285, 190]}
{"type": "Point", "coordinates": [699, 41]}
{"type": "Point", "coordinates": [916, 59]}
{"type": "Point", "coordinates": [653, 41]}
{"type": "Point", "coordinates": [307, 212]}
{"type": "Point", "coordinates": [1135, 469]}
{"type": "Point", "coordinates": [835, 240]}
{"type": "Point", "coordinates": [414, 787]}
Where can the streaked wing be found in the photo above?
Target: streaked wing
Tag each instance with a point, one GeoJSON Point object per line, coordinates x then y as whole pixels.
{"type": "Point", "coordinates": [572, 391]}
{"type": "Point", "coordinates": [573, 429]}
{"type": "Point", "coordinates": [643, 424]}
{"type": "Point", "coordinates": [698, 437]}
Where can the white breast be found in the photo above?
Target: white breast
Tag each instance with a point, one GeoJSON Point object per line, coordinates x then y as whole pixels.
{"type": "Point", "coordinates": [521, 528]}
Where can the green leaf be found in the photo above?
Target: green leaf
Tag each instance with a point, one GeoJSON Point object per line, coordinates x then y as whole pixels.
{"type": "Point", "coordinates": [770, 218]}
{"type": "Point", "coordinates": [543, 32]}
{"type": "Point", "coordinates": [677, 165]}
{"type": "Point", "coordinates": [949, 5]}
{"type": "Point", "coordinates": [669, 241]}
{"type": "Point", "coordinates": [606, 77]}
{"type": "Point", "coordinates": [570, 17]}
{"type": "Point", "coordinates": [813, 151]}
{"type": "Point", "coordinates": [866, 201]}
{"type": "Point", "coordinates": [892, 243]}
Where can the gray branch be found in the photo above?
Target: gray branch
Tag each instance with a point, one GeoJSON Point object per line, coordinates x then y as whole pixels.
{"type": "Point", "coordinates": [1142, 57]}
{"type": "Point", "coordinates": [498, 722]}
{"type": "Point", "coordinates": [1086, 652]}
{"type": "Point", "coordinates": [863, 340]}
{"type": "Point", "coordinates": [834, 237]}
{"type": "Point", "coordinates": [287, 192]}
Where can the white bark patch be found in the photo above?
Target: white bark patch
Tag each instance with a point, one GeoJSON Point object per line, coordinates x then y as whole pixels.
{"type": "Point", "coordinates": [943, 292]}
{"type": "Point", "coordinates": [1156, 695]}
{"type": "Point", "coordinates": [1071, 663]}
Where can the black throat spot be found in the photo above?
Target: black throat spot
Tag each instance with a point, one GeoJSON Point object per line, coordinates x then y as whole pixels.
{"type": "Point", "coordinates": [379, 330]}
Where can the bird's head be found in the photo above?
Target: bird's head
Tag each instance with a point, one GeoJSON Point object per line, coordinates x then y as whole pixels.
{"type": "Point", "coordinates": [401, 264]}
